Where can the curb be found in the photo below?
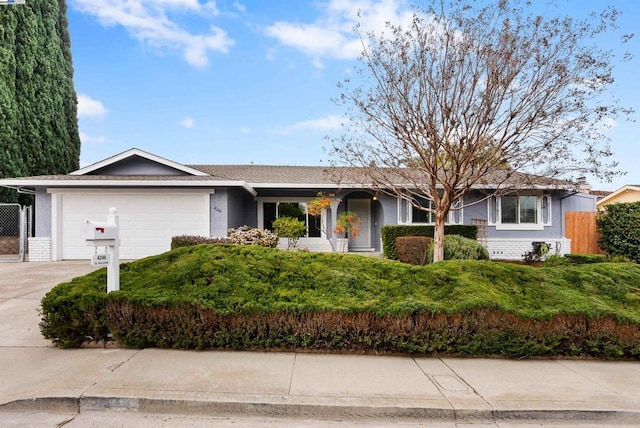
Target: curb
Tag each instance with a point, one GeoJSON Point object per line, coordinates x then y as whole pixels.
{"type": "Point", "coordinates": [290, 410]}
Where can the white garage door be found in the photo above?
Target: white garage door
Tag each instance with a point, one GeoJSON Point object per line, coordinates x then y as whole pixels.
{"type": "Point", "coordinates": [148, 220]}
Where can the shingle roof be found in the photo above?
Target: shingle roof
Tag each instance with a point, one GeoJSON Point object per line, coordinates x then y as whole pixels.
{"type": "Point", "coordinates": [262, 176]}
{"type": "Point", "coordinates": [259, 174]}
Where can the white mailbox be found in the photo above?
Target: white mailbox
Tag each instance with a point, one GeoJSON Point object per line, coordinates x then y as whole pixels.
{"type": "Point", "coordinates": [97, 232]}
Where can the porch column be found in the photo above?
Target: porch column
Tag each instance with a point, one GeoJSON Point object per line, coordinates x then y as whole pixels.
{"type": "Point", "coordinates": [335, 202]}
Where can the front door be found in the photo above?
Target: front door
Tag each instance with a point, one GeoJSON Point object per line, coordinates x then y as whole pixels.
{"type": "Point", "coordinates": [362, 207]}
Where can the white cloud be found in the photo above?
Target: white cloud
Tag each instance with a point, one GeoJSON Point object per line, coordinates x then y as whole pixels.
{"type": "Point", "coordinates": [149, 21]}
{"type": "Point", "coordinates": [88, 107]}
{"type": "Point", "coordinates": [328, 123]}
{"type": "Point", "coordinates": [188, 122]}
{"type": "Point", "coordinates": [331, 35]}
{"type": "Point", "coordinates": [239, 7]}
{"type": "Point", "coordinates": [87, 139]}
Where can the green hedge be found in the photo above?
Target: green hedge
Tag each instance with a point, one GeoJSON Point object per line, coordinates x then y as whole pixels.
{"type": "Point", "coordinates": [619, 230]}
{"type": "Point", "coordinates": [188, 240]}
{"type": "Point", "coordinates": [390, 233]}
{"type": "Point", "coordinates": [247, 297]}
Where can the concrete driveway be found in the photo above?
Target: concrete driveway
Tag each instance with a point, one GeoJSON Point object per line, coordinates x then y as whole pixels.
{"type": "Point", "coordinates": [22, 287]}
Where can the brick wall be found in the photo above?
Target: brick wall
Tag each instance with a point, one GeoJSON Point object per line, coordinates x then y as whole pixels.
{"type": "Point", "coordinates": [39, 249]}
{"type": "Point", "coordinates": [514, 249]}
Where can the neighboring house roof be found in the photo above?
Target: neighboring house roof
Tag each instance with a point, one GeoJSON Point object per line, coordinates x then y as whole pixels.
{"type": "Point", "coordinates": [623, 194]}
{"type": "Point", "coordinates": [600, 193]}
{"type": "Point", "coordinates": [249, 177]}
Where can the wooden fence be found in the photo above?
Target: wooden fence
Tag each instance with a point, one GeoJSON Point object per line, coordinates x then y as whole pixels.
{"type": "Point", "coordinates": [580, 227]}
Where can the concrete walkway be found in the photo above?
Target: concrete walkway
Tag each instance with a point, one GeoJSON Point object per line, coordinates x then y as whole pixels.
{"type": "Point", "coordinates": [37, 377]}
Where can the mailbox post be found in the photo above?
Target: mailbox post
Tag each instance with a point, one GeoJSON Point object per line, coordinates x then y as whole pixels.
{"type": "Point", "coordinates": [106, 234]}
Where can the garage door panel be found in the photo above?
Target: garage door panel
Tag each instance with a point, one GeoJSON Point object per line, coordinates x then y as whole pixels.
{"type": "Point", "coordinates": [148, 221]}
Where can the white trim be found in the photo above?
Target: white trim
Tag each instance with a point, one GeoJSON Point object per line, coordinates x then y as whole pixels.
{"type": "Point", "coordinates": [260, 185]}
{"type": "Point", "coordinates": [129, 190]}
{"type": "Point", "coordinates": [409, 216]}
{"type": "Point", "coordinates": [141, 153]}
{"type": "Point", "coordinates": [284, 199]}
{"type": "Point", "coordinates": [93, 184]}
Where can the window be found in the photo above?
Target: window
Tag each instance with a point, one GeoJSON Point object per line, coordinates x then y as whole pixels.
{"type": "Point", "coordinates": [421, 216]}
{"type": "Point", "coordinates": [409, 214]}
{"type": "Point", "coordinates": [519, 209]}
{"type": "Point", "coordinates": [273, 210]}
{"type": "Point", "coordinates": [520, 212]}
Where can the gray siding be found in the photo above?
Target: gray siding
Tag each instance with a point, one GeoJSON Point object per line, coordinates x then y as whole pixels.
{"type": "Point", "coordinates": [476, 207]}
{"type": "Point", "coordinates": [136, 165]}
{"type": "Point", "coordinates": [579, 202]}
{"type": "Point", "coordinates": [43, 213]}
{"type": "Point", "coordinates": [219, 213]}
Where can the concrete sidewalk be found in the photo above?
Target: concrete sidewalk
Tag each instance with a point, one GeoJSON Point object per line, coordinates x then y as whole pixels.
{"type": "Point", "coordinates": [37, 377]}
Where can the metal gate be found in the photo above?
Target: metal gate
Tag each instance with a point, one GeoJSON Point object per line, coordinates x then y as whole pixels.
{"type": "Point", "coordinates": [15, 228]}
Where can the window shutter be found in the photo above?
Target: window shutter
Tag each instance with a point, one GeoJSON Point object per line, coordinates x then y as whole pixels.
{"type": "Point", "coordinates": [546, 210]}
{"type": "Point", "coordinates": [493, 210]}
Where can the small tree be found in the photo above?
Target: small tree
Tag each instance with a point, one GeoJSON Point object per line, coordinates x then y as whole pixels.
{"type": "Point", "coordinates": [290, 228]}
{"type": "Point", "coordinates": [619, 229]}
{"type": "Point", "coordinates": [467, 95]}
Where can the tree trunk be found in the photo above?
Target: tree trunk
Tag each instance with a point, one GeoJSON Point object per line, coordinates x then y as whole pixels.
{"type": "Point", "coordinates": [438, 238]}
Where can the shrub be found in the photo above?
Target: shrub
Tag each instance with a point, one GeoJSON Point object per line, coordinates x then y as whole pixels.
{"type": "Point", "coordinates": [580, 259]}
{"type": "Point", "coordinates": [390, 233]}
{"type": "Point", "coordinates": [619, 231]}
{"type": "Point", "coordinates": [413, 249]}
{"type": "Point", "coordinates": [247, 235]}
{"type": "Point", "coordinates": [186, 240]}
{"type": "Point", "coordinates": [290, 228]}
{"type": "Point", "coordinates": [74, 312]}
{"type": "Point", "coordinates": [249, 297]}
{"type": "Point", "coordinates": [458, 247]}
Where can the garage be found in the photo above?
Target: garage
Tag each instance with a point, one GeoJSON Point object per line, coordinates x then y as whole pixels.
{"type": "Point", "coordinates": [148, 219]}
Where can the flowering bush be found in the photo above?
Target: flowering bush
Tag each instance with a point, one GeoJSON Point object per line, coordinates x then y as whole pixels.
{"type": "Point", "coordinates": [320, 203]}
{"type": "Point", "coordinates": [349, 223]}
{"type": "Point", "coordinates": [247, 235]}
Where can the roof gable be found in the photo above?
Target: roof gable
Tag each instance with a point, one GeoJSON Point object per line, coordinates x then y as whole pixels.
{"type": "Point", "coordinates": [621, 195]}
{"type": "Point", "coordinates": [137, 162]}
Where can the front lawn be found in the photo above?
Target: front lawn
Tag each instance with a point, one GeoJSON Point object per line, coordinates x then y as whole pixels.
{"type": "Point", "coordinates": [248, 297]}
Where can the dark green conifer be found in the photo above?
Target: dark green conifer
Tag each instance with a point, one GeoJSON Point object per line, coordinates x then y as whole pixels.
{"type": "Point", "coordinates": [38, 104]}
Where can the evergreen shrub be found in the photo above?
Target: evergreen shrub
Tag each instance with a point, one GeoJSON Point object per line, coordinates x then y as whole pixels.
{"type": "Point", "coordinates": [580, 259]}
{"type": "Point", "coordinates": [413, 249]}
{"type": "Point", "coordinates": [250, 297]}
{"type": "Point", "coordinates": [458, 247]}
{"type": "Point", "coordinates": [619, 229]}
{"type": "Point", "coordinates": [391, 232]}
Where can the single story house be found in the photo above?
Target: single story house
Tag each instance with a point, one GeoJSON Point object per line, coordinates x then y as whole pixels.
{"type": "Point", "coordinates": [158, 198]}
{"type": "Point", "coordinates": [628, 193]}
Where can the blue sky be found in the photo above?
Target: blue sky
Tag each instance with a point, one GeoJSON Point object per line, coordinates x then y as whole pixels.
{"type": "Point", "coordinates": [234, 82]}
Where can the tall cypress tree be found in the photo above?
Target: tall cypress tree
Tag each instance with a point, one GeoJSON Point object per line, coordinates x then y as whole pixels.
{"type": "Point", "coordinates": [38, 104]}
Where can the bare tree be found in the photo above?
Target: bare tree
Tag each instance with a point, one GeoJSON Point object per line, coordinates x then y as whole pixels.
{"type": "Point", "coordinates": [465, 93]}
